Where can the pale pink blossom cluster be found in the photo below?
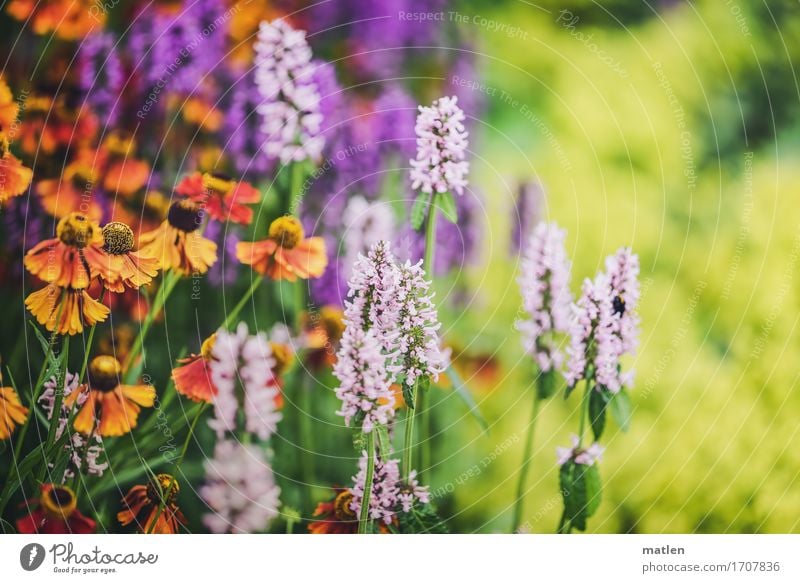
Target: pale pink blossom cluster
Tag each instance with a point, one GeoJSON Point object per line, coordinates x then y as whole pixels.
{"type": "Point", "coordinates": [440, 165]}
{"type": "Point", "coordinates": [544, 282]}
{"type": "Point", "coordinates": [365, 224]}
{"type": "Point", "coordinates": [81, 455]}
{"type": "Point", "coordinates": [585, 457]}
{"type": "Point", "coordinates": [364, 383]}
{"type": "Point", "coordinates": [594, 350]}
{"type": "Point", "coordinates": [290, 106]}
{"type": "Point", "coordinates": [389, 495]}
{"type": "Point", "coordinates": [623, 274]}
{"type": "Point", "coordinates": [417, 344]}
{"type": "Point", "coordinates": [242, 371]}
{"type": "Point", "coordinates": [240, 489]}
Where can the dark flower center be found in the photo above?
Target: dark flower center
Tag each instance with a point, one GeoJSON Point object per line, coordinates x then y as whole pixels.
{"type": "Point", "coordinates": [185, 215]}
{"type": "Point", "coordinates": [104, 373]}
{"type": "Point", "coordinates": [118, 238]}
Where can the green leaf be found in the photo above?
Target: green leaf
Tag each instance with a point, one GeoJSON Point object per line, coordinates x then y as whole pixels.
{"type": "Point", "coordinates": [621, 409]}
{"type": "Point", "coordinates": [447, 204]}
{"type": "Point", "coordinates": [419, 211]}
{"type": "Point", "coordinates": [546, 384]}
{"type": "Point", "coordinates": [421, 519]}
{"type": "Point", "coordinates": [384, 443]}
{"type": "Point", "coordinates": [408, 395]}
{"type": "Point", "coordinates": [359, 441]}
{"type": "Point", "coordinates": [462, 391]}
{"type": "Point", "coordinates": [598, 401]}
{"type": "Point", "coordinates": [568, 390]}
{"type": "Point", "coordinates": [580, 489]}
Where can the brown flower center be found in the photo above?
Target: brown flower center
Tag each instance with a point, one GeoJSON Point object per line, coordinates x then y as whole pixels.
{"type": "Point", "coordinates": [118, 238]}
{"type": "Point", "coordinates": [282, 354]}
{"type": "Point", "coordinates": [163, 486]}
{"type": "Point", "coordinates": [341, 506]}
{"type": "Point", "coordinates": [332, 322]}
{"type": "Point", "coordinates": [185, 215]}
{"type": "Point", "coordinates": [104, 373]}
{"type": "Point", "coordinates": [58, 502]}
{"type": "Point", "coordinates": [75, 230]}
{"type": "Point", "coordinates": [286, 232]}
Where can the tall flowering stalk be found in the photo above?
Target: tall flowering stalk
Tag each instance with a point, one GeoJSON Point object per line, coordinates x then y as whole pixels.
{"type": "Point", "coordinates": [439, 169]}
{"type": "Point", "coordinates": [390, 335]}
{"type": "Point", "coordinates": [290, 106]}
{"type": "Point", "coordinates": [604, 329]}
{"type": "Point", "coordinates": [544, 283]}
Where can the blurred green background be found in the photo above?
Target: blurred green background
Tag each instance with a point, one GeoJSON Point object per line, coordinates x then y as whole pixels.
{"type": "Point", "coordinates": [671, 127]}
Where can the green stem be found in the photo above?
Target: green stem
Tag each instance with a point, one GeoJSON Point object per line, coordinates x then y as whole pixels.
{"type": "Point", "coordinates": [167, 285]}
{"type": "Point", "coordinates": [88, 348]}
{"type": "Point", "coordinates": [584, 412]}
{"type": "Point", "coordinates": [166, 494]}
{"type": "Point", "coordinates": [363, 520]}
{"type": "Point", "coordinates": [242, 302]}
{"type": "Point", "coordinates": [526, 461]}
{"type": "Point", "coordinates": [408, 444]}
{"type": "Point", "coordinates": [419, 405]}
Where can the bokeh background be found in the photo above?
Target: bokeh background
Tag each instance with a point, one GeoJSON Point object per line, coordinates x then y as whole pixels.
{"type": "Point", "coordinates": [668, 126]}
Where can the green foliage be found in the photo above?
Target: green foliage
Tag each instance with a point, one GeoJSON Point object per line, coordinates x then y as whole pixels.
{"type": "Point", "coordinates": [419, 211]}
{"type": "Point", "coordinates": [580, 490]}
{"type": "Point", "coordinates": [598, 403]}
{"type": "Point", "coordinates": [447, 204]}
{"type": "Point", "coordinates": [421, 519]}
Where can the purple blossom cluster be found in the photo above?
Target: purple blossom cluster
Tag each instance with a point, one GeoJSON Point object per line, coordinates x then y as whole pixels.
{"type": "Point", "coordinates": [81, 455]}
{"type": "Point", "coordinates": [440, 165]}
{"type": "Point", "coordinates": [240, 489]}
{"type": "Point", "coordinates": [365, 224]}
{"type": "Point", "coordinates": [578, 455]}
{"type": "Point", "coordinates": [606, 325]}
{"type": "Point", "coordinates": [527, 210]}
{"type": "Point", "coordinates": [417, 342]}
{"type": "Point", "coordinates": [101, 75]}
{"type": "Point", "coordinates": [242, 128]}
{"type": "Point", "coordinates": [544, 282]}
{"type": "Point", "coordinates": [291, 103]}
{"type": "Point", "coordinates": [242, 371]}
{"type": "Point", "coordinates": [388, 495]}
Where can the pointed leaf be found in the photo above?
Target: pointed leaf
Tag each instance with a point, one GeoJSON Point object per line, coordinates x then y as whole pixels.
{"type": "Point", "coordinates": [419, 211]}
{"type": "Point", "coordinates": [621, 409]}
{"type": "Point", "coordinates": [384, 443]}
{"type": "Point", "coordinates": [462, 391]}
{"type": "Point", "coordinates": [447, 204]}
{"type": "Point", "coordinates": [598, 401]}
{"type": "Point", "coordinates": [546, 384]}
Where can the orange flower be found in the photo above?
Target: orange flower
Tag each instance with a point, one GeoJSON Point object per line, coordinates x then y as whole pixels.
{"type": "Point", "coordinates": [222, 198]}
{"type": "Point", "coordinates": [14, 177]}
{"type": "Point", "coordinates": [336, 516]}
{"type": "Point", "coordinates": [111, 409]}
{"type": "Point", "coordinates": [202, 114]}
{"type": "Point", "coordinates": [120, 265]}
{"type": "Point", "coordinates": [52, 124]}
{"type": "Point", "coordinates": [193, 377]}
{"type": "Point", "coordinates": [68, 19]}
{"type": "Point", "coordinates": [177, 242]}
{"type": "Point", "coordinates": [322, 332]}
{"type": "Point", "coordinates": [122, 173]}
{"type": "Point", "coordinates": [56, 512]}
{"type": "Point", "coordinates": [73, 192]}
{"type": "Point", "coordinates": [9, 109]}
{"type": "Point", "coordinates": [65, 310]}
{"type": "Point", "coordinates": [286, 254]}
{"type": "Point", "coordinates": [12, 413]}
{"type": "Point", "coordinates": [141, 505]}
{"type": "Point", "coordinates": [73, 258]}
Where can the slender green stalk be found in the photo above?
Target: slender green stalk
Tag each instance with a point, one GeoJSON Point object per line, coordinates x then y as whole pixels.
{"type": "Point", "coordinates": [306, 437]}
{"type": "Point", "coordinates": [526, 462]}
{"type": "Point", "coordinates": [430, 245]}
{"type": "Point", "coordinates": [424, 429]}
{"type": "Point", "coordinates": [167, 285]}
{"type": "Point", "coordinates": [242, 302]}
{"type": "Point", "coordinates": [363, 519]}
{"type": "Point", "coordinates": [166, 494]}
{"type": "Point", "coordinates": [584, 411]}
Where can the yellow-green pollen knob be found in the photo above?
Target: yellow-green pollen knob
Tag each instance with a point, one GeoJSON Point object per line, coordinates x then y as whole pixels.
{"type": "Point", "coordinates": [104, 373]}
{"type": "Point", "coordinates": [208, 347]}
{"type": "Point", "coordinates": [216, 182]}
{"type": "Point", "coordinates": [75, 230]}
{"type": "Point", "coordinates": [58, 502]}
{"type": "Point", "coordinates": [118, 238]}
{"type": "Point", "coordinates": [341, 506]}
{"type": "Point", "coordinates": [286, 232]}
{"type": "Point", "coordinates": [185, 215]}
{"type": "Point", "coordinates": [164, 485]}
